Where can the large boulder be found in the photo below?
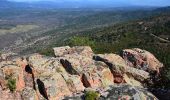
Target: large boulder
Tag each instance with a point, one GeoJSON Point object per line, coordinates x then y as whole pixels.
{"type": "Point", "coordinates": [141, 59]}
{"type": "Point", "coordinates": [83, 50]}
{"type": "Point", "coordinates": [91, 79]}
{"type": "Point", "coordinates": [116, 92]}
{"type": "Point", "coordinates": [119, 69]}
{"type": "Point", "coordinates": [60, 51]}
{"type": "Point", "coordinates": [66, 50]}
{"type": "Point", "coordinates": [75, 69]}
{"type": "Point", "coordinates": [53, 87]}
{"type": "Point", "coordinates": [97, 75]}
{"type": "Point", "coordinates": [115, 63]}
{"type": "Point", "coordinates": [14, 69]}
{"type": "Point", "coordinates": [56, 75]}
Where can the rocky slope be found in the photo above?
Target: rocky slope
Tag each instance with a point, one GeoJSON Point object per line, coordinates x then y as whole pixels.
{"type": "Point", "coordinates": [78, 73]}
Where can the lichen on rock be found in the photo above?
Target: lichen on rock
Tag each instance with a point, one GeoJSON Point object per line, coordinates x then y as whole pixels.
{"type": "Point", "coordinates": [73, 70]}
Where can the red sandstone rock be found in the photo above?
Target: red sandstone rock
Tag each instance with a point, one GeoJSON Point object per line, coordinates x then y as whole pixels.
{"type": "Point", "coordinates": [141, 59]}
{"type": "Point", "coordinates": [79, 71]}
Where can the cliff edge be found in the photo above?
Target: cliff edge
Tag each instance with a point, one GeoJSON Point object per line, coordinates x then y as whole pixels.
{"type": "Point", "coordinates": [78, 73]}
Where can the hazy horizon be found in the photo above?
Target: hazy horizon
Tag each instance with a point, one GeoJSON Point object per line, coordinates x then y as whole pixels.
{"type": "Point", "coordinates": [109, 2]}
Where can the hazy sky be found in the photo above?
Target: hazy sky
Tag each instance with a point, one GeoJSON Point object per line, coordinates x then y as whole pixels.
{"type": "Point", "coordinates": [132, 2]}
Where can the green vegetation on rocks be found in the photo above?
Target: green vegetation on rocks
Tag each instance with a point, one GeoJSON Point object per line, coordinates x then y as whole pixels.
{"type": "Point", "coordinates": [91, 95]}
{"type": "Point", "coordinates": [81, 41]}
{"type": "Point", "coordinates": [47, 52]}
{"type": "Point", "coordinates": [11, 84]}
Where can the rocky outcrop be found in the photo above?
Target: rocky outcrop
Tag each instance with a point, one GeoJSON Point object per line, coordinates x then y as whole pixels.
{"type": "Point", "coordinates": [117, 92]}
{"type": "Point", "coordinates": [141, 59]}
{"type": "Point", "coordinates": [72, 71]}
{"type": "Point", "coordinates": [6, 56]}
{"type": "Point", "coordinates": [66, 50]}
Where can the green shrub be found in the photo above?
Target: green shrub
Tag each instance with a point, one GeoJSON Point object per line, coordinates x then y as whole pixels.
{"type": "Point", "coordinates": [48, 52]}
{"type": "Point", "coordinates": [11, 84]}
{"type": "Point", "coordinates": [69, 81]}
{"type": "Point", "coordinates": [91, 95]}
{"type": "Point", "coordinates": [81, 41]}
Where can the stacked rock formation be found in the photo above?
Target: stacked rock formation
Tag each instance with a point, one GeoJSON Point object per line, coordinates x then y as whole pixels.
{"type": "Point", "coordinates": [76, 70]}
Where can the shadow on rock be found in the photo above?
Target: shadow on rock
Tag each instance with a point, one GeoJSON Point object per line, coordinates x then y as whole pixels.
{"type": "Point", "coordinates": [68, 67]}
{"type": "Point", "coordinates": [85, 81]}
{"type": "Point", "coordinates": [41, 88]}
{"type": "Point", "coordinates": [98, 58]}
{"type": "Point", "coordinates": [118, 78]}
{"type": "Point", "coordinates": [29, 70]}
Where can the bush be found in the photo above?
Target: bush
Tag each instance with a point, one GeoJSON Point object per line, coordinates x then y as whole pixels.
{"type": "Point", "coordinates": [91, 95]}
{"type": "Point", "coordinates": [81, 41]}
{"type": "Point", "coordinates": [47, 52]}
{"type": "Point", "coordinates": [11, 84]}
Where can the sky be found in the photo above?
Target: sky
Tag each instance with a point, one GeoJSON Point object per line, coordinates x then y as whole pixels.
{"type": "Point", "coordinates": [130, 2]}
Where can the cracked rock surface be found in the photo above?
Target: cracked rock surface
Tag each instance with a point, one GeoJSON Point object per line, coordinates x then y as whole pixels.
{"type": "Point", "coordinates": [77, 70]}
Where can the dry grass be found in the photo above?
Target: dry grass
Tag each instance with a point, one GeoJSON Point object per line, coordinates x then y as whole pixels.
{"type": "Point", "coordinates": [18, 29]}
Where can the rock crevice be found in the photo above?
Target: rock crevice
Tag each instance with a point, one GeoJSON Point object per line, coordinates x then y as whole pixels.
{"type": "Point", "coordinates": [75, 69]}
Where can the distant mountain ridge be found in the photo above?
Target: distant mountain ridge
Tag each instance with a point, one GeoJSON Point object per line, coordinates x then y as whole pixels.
{"type": "Point", "coordinates": [9, 4]}
{"type": "Point", "coordinates": [5, 4]}
{"type": "Point", "coordinates": [63, 4]}
{"type": "Point", "coordinates": [163, 9]}
{"type": "Point", "coordinates": [66, 4]}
